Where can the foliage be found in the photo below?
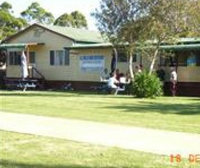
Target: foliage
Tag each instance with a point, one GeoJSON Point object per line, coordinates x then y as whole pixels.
{"type": "Point", "coordinates": [111, 17]}
{"type": "Point", "coordinates": [78, 20]}
{"type": "Point", "coordinates": [8, 23]}
{"type": "Point", "coordinates": [35, 13]}
{"type": "Point", "coordinates": [142, 23]}
{"type": "Point", "coordinates": [5, 6]}
{"type": "Point", "coordinates": [63, 20]}
{"type": "Point", "coordinates": [75, 19]}
{"type": "Point", "coordinates": [147, 85]}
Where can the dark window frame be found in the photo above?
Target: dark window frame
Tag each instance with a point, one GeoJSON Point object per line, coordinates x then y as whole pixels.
{"type": "Point", "coordinates": [123, 56]}
{"type": "Point", "coordinates": [59, 60]}
{"type": "Point", "coordinates": [14, 58]}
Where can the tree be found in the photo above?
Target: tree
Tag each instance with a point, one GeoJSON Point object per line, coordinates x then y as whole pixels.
{"type": "Point", "coordinates": [8, 23]}
{"type": "Point", "coordinates": [35, 13]}
{"type": "Point", "coordinates": [167, 22]}
{"type": "Point", "coordinates": [63, 20]}
{"type": "Point", "coordinates": [113, 20]}
{"type": "Point", "coordinates": [75, 19]}
{"type": "Point", "coordinates": [5, 6]}
{"type": "Point", "coordinates": [147, 24]}
{"type": "Point", "coordinates": [78, 20]}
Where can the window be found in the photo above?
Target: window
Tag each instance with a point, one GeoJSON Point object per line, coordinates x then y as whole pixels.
{"type": "Point", "coordinates": [168, 58]}
{"type": "Point", "coordinates": [123, 57]}
{"type": "Point", "coordinates": [14, 58]}
{"type": "Point", "coordinates": [32, 57]}
{"type": "Point", "coordinates": [59, 57]}
{"type": "Point", "coordinates": [189, 58]}
{"type": "Point", "coordinates": [182, 58]}
{"type": "Point", "coordinates": [198, 60]}
{"type": "Point", "coordinates": [168, 61]}
{"type": "Point", "coordinates": [134, 57]}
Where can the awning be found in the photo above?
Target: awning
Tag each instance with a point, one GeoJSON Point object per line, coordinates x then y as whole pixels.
{"type": "Point", "coordinates": [191, 46]}
{"type": "Point", "coordinates": [18, 45]}
{"type": "Point", "coordinates": [175, 47]}
{"type": "Point", "coordinates": [181, 47]}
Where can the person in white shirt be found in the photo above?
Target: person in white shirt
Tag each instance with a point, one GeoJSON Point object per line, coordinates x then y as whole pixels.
{"type": "Point", "coordinates": [173, 81]}
{"type": "Point", "coordinates": [112, 81]}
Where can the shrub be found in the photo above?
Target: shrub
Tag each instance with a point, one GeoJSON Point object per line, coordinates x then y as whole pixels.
{"type": "Point", "coordinates": [147, 85]}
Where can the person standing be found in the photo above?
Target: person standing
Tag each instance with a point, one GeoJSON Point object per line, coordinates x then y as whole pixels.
{"type": "Point", "coordinates": [161, 74]}
{"type": "Point", "coordinates": [173, 81]}
{"type": "Point", "coordinates": [24, 68]}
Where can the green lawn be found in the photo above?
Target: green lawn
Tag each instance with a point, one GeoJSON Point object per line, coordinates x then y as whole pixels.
{"type": "Point", "coordinates": [29, 151]}
{"type": "Point", "coordinates": [169, 113]}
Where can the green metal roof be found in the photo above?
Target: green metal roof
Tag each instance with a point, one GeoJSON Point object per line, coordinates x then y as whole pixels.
{"type": "Point", "coordinates": [86, 46]}
{"type": "Point", "coordinates": [181, 47]}
{"type": "Point", "coordinates": [187, 45]}
{"type": "Point", "coordinates": [18, 45]}
{"type": "Point", "coordinates": [15, 45]}
{"type": "Point", "coordinates": [189, 40]}
{"type": "Point", "coordinates": [79, 35]}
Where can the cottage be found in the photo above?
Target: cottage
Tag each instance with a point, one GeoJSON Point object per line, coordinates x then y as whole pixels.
{"type": "Point", "coordinates": [59, 55]}
{"type": "Point", "coordinates": [62, 55]}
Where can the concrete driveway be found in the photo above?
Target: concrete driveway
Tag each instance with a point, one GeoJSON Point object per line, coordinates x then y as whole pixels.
{"type": "Point", "coordinates": [134, 138]}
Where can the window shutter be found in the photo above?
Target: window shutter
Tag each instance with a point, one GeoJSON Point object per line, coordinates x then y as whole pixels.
{"type": "Point", "coordinates": [18, 59]}
{"type": "Point", "coordinates": [52, 57]}
{"type": "Point", "coordinates": [11, 58]}
{"type": "Point", "coordinates": [32, 57]}
{"type": "Point", "coordinates": [66, 57]}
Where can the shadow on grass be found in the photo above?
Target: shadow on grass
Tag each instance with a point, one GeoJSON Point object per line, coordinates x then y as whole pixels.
{"type": "Point", "coordinates": [189, 108]}
{"type": "Point", "coordinates": [45, 93]}
{"type": "Point", "coordinates": [155, 107]}
{"type": "Point", "coordinates": [12, 164]}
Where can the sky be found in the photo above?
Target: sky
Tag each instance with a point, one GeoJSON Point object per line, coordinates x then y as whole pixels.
{"type": "Point", "coordinates": [59, 7]}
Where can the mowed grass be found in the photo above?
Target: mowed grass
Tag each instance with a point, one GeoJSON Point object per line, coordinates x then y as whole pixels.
{"type": "Point", "coordinates": [30, 151]}
{"type": "Point", "coordinates": [168, 113]}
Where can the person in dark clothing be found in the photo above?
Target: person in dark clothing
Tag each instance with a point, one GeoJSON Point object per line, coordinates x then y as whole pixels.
{"type": "Point", "coordinates": [161, 73]}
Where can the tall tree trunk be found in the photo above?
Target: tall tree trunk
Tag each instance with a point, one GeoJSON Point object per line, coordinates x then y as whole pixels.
{"type": "Point", "coordinates": [113, 65]}
{"type": "Point", "coordinates": [153, 61]}
{"type": "Point", "coordinates": [116, 55]}
{"type": "Point", "coordinates": [131, 65]}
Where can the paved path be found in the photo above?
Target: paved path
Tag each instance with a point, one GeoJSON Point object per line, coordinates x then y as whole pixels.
{"type": "Point", "coordinates": [141, 139]}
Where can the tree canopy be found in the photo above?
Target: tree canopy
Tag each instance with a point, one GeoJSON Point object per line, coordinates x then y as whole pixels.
{"type": "Point", "coordinates": [8, 23]}
{"type": "Point", "coordinates": [138, 21]}
{"type": "Point", "coordinates": [5, 6]}
{"type": "Point", "coordinates": [74, 19]}
{"type": "Point", "coordinates": [35, 13]}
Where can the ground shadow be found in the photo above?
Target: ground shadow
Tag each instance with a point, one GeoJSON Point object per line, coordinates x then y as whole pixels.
{"type": "Point", "coordinates": [13, 164]}
{"type": "Point", "coordinates": [144, 107]}
{"type": "Point", "coordinates": [44, 94]}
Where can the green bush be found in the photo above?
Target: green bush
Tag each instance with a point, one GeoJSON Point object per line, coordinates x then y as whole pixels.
{"type": "Point", "coordinates": [147, 85]}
